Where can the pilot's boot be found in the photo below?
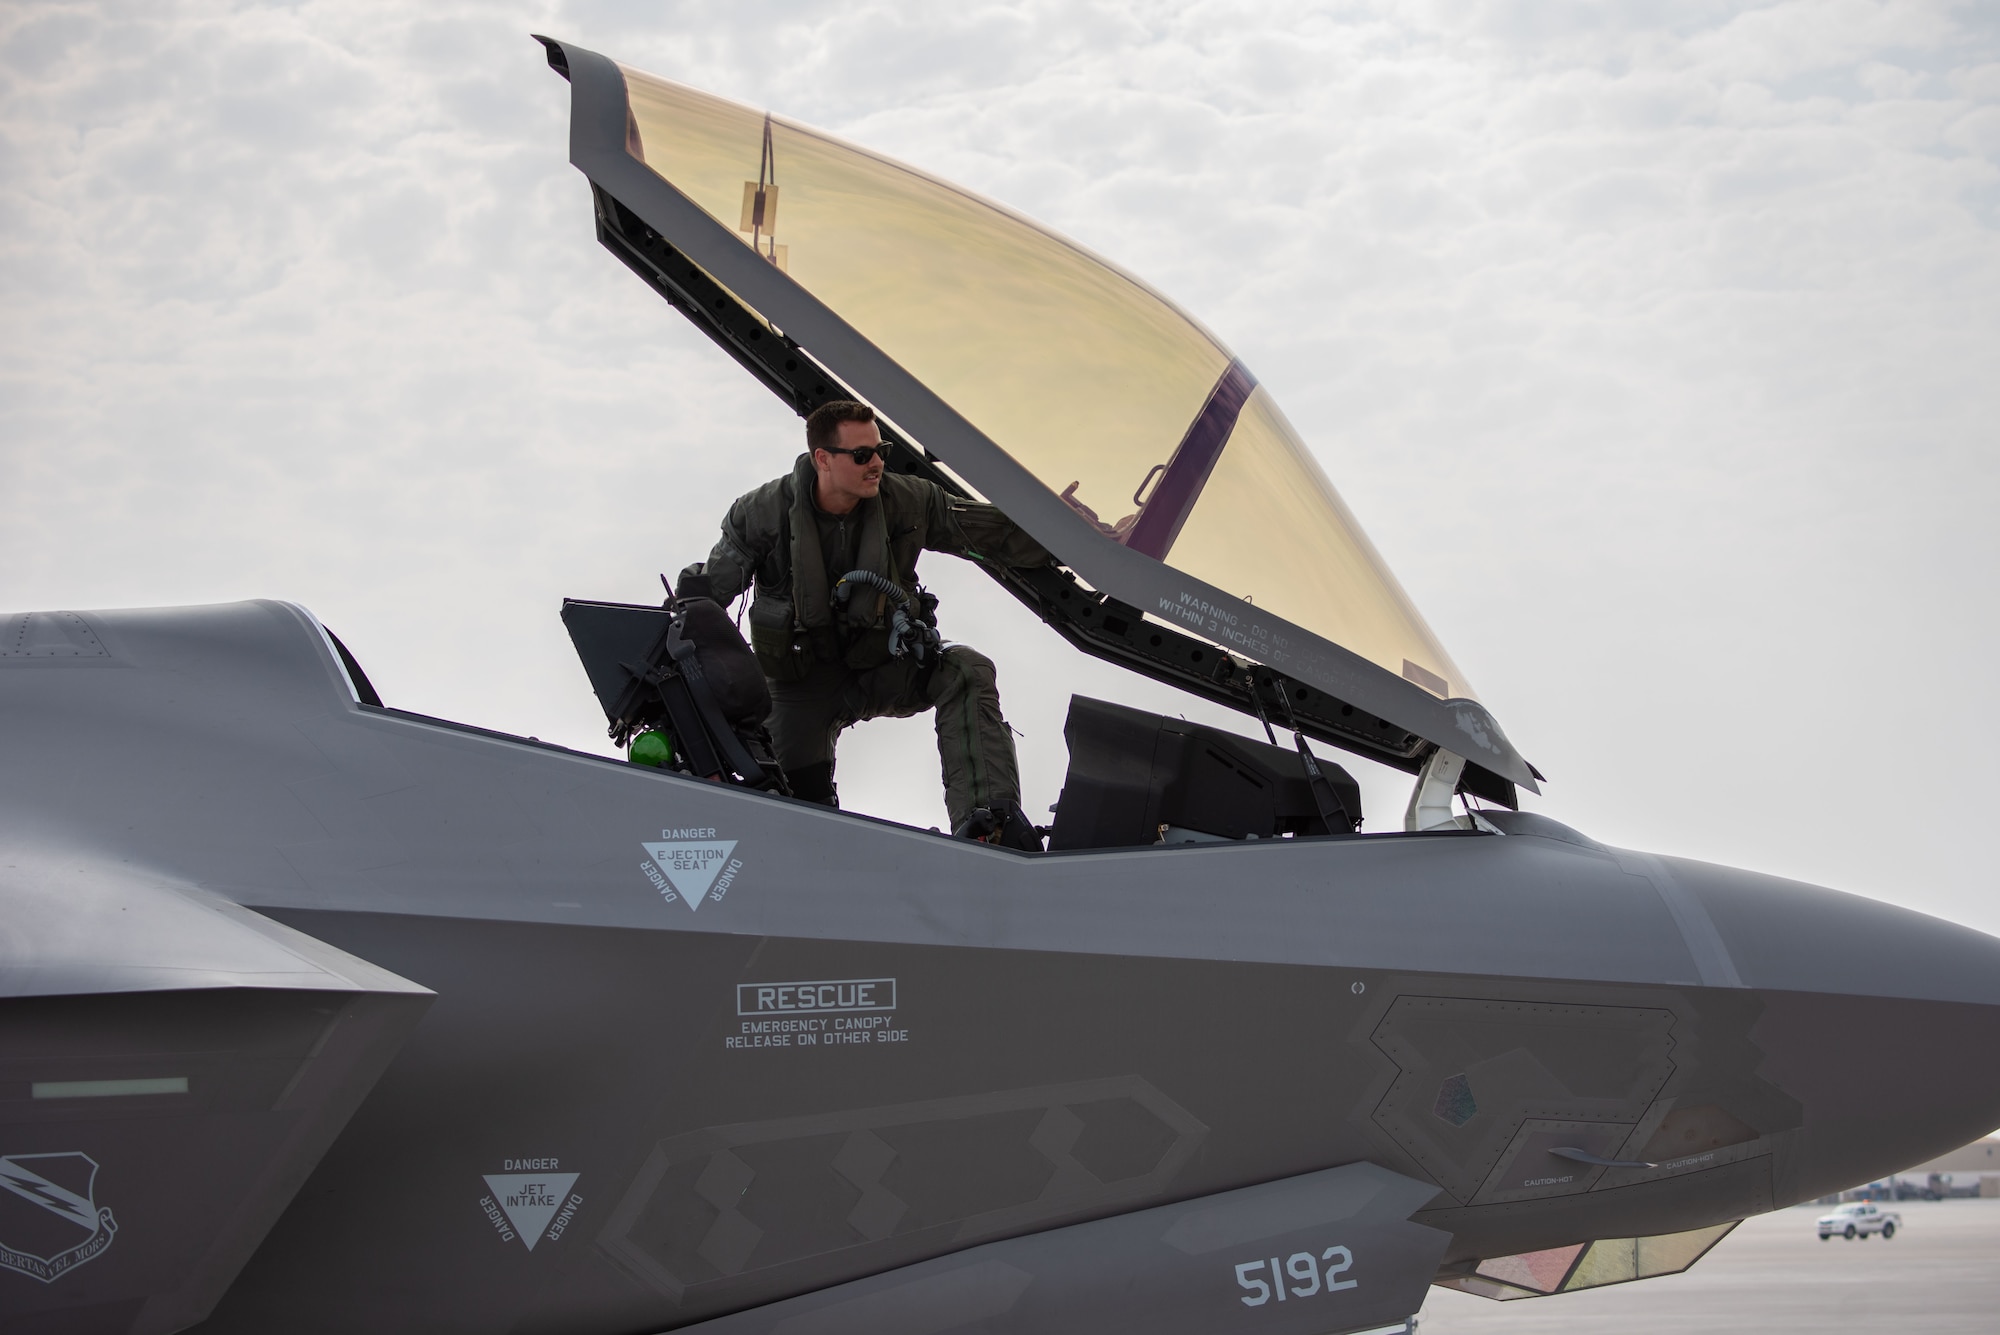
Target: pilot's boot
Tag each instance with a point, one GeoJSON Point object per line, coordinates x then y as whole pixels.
{"type": "Point", "coordinates": [1017, 831]}
{"type": "Point", "coordinates": [981, 824]}
{"type": "Point", "coordinates": [1007, 825]}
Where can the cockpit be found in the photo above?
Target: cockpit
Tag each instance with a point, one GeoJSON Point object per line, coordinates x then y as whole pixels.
{"type": "Point", "coordinates": [1135, 778]}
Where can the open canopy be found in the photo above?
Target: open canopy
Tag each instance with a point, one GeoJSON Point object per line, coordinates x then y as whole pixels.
{"type": "Point", "coordinates": [1108, 423]}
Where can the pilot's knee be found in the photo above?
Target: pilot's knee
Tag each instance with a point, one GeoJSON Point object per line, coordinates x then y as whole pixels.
{"type": "Point", "coordinates": [974, 668]}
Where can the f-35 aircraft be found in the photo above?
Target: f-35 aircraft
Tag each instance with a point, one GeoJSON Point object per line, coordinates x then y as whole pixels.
{"type": "Point", "coordinates": [321, 1016]}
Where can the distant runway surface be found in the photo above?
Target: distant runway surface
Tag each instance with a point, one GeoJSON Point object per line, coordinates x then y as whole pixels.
{"type": "Point", "coordinates": [1774, 1274]}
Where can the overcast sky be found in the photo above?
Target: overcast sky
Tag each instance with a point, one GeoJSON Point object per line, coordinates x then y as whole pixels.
{"type": "Point", "coordinates": [1654, 344]}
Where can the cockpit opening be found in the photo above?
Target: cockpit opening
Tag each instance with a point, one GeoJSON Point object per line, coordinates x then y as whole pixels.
{"type": "Point", "coordinates": [1135, 779]}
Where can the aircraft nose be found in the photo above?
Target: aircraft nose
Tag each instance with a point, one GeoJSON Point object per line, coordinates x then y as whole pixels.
{"type": "Point", "coordinates": [1882, 1023]}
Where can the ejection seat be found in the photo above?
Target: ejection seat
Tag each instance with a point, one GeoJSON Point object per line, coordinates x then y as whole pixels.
{"type": "Point", "coordinates": [679, 685]}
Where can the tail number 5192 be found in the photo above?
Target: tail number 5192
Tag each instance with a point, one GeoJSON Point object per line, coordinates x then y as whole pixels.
{"type": "Point", "coordinates": [1298, 1276]}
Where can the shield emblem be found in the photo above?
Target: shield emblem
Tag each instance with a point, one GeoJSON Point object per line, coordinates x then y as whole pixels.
{"type": "Point", "coordinates": [50, 1221]}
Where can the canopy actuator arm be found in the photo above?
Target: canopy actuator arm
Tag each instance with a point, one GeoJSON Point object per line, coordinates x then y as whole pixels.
{"type": "Point", "coordinates": [1093, 622]}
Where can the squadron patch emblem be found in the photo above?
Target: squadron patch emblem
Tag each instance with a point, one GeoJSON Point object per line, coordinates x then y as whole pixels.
{"type": "Point", "coordinates": [691, 865]}
{"type": "Point", "coordinates": [50, 1222]}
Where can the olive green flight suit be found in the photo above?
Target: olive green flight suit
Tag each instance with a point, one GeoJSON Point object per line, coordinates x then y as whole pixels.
{"type": "Point", "coordinates": [830, 668]}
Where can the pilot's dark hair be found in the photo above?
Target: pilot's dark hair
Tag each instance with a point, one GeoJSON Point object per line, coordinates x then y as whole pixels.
{"type": "Point", "coordinates": [823, 426]}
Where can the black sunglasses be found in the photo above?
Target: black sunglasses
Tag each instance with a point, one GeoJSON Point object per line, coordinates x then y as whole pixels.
{"type": "Point", "coordinates": [863, 455]}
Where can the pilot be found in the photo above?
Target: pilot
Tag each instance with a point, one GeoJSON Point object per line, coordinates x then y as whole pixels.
{"type": "Point", "coordinates": [826, 649]}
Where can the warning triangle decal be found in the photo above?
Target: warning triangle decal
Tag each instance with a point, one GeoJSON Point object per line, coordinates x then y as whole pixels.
{"type": "Point", "coordinates": [691, 868]}
{"type": "Point", "coordinates": [530, 1199]}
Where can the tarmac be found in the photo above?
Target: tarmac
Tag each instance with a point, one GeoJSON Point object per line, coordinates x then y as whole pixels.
{"type": "Point", "coordinates": [1937, 1275]}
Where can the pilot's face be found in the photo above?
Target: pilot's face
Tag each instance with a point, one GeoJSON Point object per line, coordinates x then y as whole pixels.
{"type": "Point", "coordinates": [844, 483]}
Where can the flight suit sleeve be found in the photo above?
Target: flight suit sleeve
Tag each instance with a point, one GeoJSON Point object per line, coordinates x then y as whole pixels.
{"type": "Point", "coordinates": [749, 531]}
{"type": "Point", "coordinates": [983, 533]}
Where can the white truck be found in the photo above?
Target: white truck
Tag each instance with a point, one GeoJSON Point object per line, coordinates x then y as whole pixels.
{"type": "Point", "coordinates": [1858, 1221]}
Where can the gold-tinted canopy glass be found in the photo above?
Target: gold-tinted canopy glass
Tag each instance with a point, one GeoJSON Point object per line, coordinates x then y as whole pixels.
{"type": "Point", "coordinates": [1112, 397]}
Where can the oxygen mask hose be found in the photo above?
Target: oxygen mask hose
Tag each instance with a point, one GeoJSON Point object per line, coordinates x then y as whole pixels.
{"type": "Point", "coordinates": [844, 590]}
{"type": "Point", "coordinates": [909, 633]}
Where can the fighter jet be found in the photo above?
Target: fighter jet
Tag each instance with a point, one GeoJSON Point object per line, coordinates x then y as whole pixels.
{"type": "Point", "coordinates": [319, 1015]}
